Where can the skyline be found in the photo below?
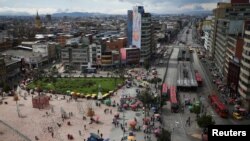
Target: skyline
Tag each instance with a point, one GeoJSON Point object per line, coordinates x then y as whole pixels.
{"type": "Point", "coordinates": [29, 7]}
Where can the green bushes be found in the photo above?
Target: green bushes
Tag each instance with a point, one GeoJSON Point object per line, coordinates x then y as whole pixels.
{"type": "Point", "coordinates": [205, 120]}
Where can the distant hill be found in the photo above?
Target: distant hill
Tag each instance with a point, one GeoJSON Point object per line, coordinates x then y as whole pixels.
{"type": "Point", "coordinates": [12, 13]}
{"type": "Point", "coordinates": [78, 14]}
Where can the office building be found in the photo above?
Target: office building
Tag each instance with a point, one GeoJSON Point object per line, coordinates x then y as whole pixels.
{"type": "Point", "coordinates": [116, 44]}
{"type": "Point", "coordinates": [207, 28]}
{"type": "Point", "coordinates": [130, 27]}
{"type": "Point", "coordinates": [244, 82]}
{"type": "Point", "coordinates": [75, 54]}
{"type": "Point", "coordinates": [95, 53]}
{"type": "Point", "coordinates": [142, 32]}
{"type": "Point", "coordinates": [229, 20]}
{"type": "Point", "coordinates": [130, 56]}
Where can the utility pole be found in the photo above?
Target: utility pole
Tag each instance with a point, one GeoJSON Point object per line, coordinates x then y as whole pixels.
{"type": "Point", "coordinates": [123, 121]}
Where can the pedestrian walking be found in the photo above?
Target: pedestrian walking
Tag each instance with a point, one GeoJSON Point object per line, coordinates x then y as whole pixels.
{"type": "Point", "coordinates": [135, 119]}
{"type": "Point", "coordinates": [110, 111]}
{"type": "Point", "coordinates": [80, 133]}
{"type": "Point", "coordinates": [52, 134]}
{"type": "Point", "coordinates": [98, 131]}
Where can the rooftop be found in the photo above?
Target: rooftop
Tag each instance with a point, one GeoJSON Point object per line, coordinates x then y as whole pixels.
{"type": "Point", "coordinates": [9, 61]}
{"type": "Point", "coordinates": [21, 53]}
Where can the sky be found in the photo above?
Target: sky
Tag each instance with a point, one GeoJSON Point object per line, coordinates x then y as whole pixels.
{"type": "Point", "coordinates": [104, 6]}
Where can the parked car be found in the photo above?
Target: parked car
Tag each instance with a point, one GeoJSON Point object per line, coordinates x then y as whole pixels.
{"type": "Point", "coordinates": [236, 116]}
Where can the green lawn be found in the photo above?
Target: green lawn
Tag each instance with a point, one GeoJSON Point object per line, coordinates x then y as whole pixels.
{"type": "Point", "coordinates": [81, 85]}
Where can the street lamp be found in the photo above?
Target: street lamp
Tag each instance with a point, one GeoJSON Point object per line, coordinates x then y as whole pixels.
{"type": "Point", "coordinates": [99, 92]}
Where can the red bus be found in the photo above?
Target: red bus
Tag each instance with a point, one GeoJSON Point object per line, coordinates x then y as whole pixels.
{"type": "Point", "coordinates": [220, 108]}
{"type": "Point", "coordinates": [173, 100]}
{"type": "Point", "coordinates": [198, 78]}
{"type": "Point", "coordinates": [164, 89]}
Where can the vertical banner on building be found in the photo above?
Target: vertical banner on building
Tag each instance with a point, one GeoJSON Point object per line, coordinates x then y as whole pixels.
{"type": "Point", "coordinates": [136, 41]}
{"type": "Point", "coordinates": [123, 54]}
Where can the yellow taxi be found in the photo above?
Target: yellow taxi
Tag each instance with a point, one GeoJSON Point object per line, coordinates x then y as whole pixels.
{"type": "Point", "coordinates": [236, 116]}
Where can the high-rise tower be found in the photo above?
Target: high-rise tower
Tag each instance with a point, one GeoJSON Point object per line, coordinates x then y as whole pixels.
{"type": "Point", "coordinates": [38, 23]}
{"type": "Point", "coordinates": [141, 35]}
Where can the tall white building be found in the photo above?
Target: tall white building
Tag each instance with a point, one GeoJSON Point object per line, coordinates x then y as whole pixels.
{"type": "Point", "coordinates": [142, 32]}
{"type": "Point", "coordinates": [244, 81]}
{"type": "Point", "coordinates": [207, 29]}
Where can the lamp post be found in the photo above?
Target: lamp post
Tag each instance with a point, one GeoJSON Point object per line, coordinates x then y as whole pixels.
{"type": "Point", "coordinates": [123, 121]}
{"type": "Point", "coordinates": [99, 92]}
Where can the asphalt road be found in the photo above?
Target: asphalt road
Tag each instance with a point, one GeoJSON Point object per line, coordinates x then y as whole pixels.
{"type": "Point", "coordinates": [175, 122]}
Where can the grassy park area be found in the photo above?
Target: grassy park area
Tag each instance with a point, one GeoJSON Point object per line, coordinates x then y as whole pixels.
{"type": "Point", "coordinates": [79, 85]}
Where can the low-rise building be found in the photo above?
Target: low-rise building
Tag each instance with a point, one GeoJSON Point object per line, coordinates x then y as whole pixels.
{"type": "Point", "coordinates": [111, 58]}
{"type": "Point", "coordinates": [130, 56]}
{"type": "Point", "coordinates": [95, 53]}
{"type": "Point", "coordinates": [46, 49]}
{"type": "Point", "coordinates": [75, 54]}
{"type": "Point", "coordinates": [2, 71]}
{"type": "Point", "coordinates": [13, 71]}
{"type": "Point", "coordinates": [116, 44]}
{"type": "Point", "coordinates": [62, 38]}
{"type": "Point", "coordinates": [34, 59]}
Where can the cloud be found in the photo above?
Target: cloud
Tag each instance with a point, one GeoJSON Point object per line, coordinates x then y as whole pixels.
{"type": "Point", "coordinates": [176, 2]}
{"type": "Point", "coordinates": [31, 11]}
{"type": "Point", "coordinates": [105, 6]}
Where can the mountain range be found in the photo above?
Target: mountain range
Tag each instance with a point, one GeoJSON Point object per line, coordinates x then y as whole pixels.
{"type": "Point", "coordinates": [87, 14]}
{"type": "Point", "coordinates": [78, 14]}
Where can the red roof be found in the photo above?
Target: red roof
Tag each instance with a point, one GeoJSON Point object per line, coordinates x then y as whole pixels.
{"type": "Point", "coordinates": [173, 98]}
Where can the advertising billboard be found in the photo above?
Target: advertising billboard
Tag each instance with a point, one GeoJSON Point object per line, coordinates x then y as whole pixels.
{"type": "Point", "coordinates": [123, 54]}
{"type": "Point", "coordinates": [136, 40]}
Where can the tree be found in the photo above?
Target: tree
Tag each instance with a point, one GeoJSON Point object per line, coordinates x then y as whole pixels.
{"type": "Point", "coordinates": [146, 98]}
{"type": "Point", "coordinates": [155, 80]}
{"type": "Point", "coordinates": [146, 65]}
{"type": "Point", "coordinates": [121, 72]}
{"type": "Point", "coordinates": [6, 88]}
{"type": "Point", "coordinates": [165, 135]}
{"type": "Point", "coordinates": [205, 120]}
{"type": "Point", "coordinates": [196, 109]}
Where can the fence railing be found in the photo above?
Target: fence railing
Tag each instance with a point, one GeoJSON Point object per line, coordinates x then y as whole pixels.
{"type": "Point", "coordinates": [16, 131]}
{"type": "Point", "coordinates": [166, 72]}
